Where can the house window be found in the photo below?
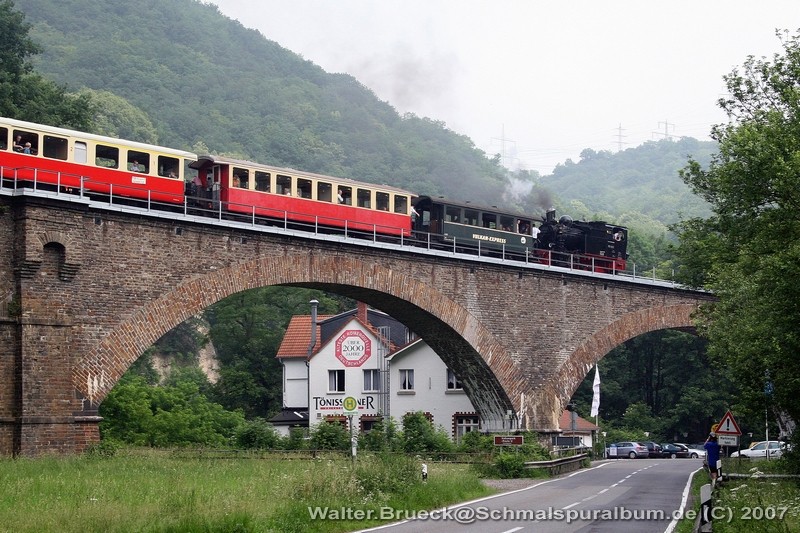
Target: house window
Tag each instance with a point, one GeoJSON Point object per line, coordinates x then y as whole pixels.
{"type": "Point", "coordinates": [372, 380]}
{"type": "Point", "coordinates": [407, 380]}
{"type": "Point", "coordinates": [367, 423]}
{"type": "Point", "coordinates": [465, 424]}
{"type": "Point", "coordinates": [453, 383]}
{"type": "Point", "coordinates": [335, 380]}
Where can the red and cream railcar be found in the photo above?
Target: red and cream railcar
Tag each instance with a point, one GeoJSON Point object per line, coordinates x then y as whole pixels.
{"type": "Point", "coordinates": [281, 193]}
{"type": "Point", "coordinates": [66, 158]}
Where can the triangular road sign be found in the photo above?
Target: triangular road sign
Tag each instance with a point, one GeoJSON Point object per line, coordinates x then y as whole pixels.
{"type": "Point", "coordinates": [728, 426]}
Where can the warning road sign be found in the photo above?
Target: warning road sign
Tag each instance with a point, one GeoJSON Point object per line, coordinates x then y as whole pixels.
{"type": "Point", "coordinates": [728, 426]}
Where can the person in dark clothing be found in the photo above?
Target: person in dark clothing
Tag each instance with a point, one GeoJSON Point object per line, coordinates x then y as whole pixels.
{"type": "Point", "coordinates": [712, 455]}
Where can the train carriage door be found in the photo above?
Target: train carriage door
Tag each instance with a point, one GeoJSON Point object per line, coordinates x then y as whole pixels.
{"type": "Point", "coordinates": [79, 152]}
{"type": "Point", "coordinates": [215, 176]}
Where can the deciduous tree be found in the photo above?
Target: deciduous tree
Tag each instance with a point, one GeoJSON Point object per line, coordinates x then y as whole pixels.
{"type": "Point", "coordinates": [748, 251]}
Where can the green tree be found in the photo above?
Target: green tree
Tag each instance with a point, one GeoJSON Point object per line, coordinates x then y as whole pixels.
{"type": "Point", "coordinates": [25, 95]}
{"type": "Point", "coordinates": [748, 251]}
{"type": "Point", "coordinates": [246, 330]}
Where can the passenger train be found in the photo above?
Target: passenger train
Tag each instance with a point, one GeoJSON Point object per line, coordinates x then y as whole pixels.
{"type": "Point", "coordinates": [69, 160]}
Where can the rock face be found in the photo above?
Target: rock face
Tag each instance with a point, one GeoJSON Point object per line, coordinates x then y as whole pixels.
{"type": "Point", "coordinates": [206, 358]}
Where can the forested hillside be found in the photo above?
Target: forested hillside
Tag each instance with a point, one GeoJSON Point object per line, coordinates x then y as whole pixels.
{"type": "Point", "coordinates": [179, 73]}
{"type": "Point", "coordinates": [204, 80]}
{"type": "Point", "coordinates": [182, 74]}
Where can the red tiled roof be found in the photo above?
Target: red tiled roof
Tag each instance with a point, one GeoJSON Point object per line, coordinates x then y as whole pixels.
{"type": "Point", "coordinates": [298, 335]}
{"type": "Point", "coordinates": [581, 424]}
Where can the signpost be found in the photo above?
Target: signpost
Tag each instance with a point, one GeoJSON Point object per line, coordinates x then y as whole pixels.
{"type": "Point", "coordinates": [509, 440]}
{"type": "Point", "coordinates": [728, 431]}
{"type": "Point", "coordinates": [350, 406]}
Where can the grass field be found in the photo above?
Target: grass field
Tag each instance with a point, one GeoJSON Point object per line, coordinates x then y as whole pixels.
{"type": "Point", "coordinates": [162, 492]}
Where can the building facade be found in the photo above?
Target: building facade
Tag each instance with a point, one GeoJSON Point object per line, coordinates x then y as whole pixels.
{"type": "Point", "coordinates": [366, 355]}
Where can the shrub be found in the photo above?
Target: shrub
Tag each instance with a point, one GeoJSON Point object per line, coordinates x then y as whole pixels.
{"type": "Point", "coordinates": [330, 436]}
{"type": "Point", "coordinates": [257, 434]}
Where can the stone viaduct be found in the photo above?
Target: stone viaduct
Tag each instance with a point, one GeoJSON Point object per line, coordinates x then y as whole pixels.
{"type": "Point", "coordinates": [85, 289]}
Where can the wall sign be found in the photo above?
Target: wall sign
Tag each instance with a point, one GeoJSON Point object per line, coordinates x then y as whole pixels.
{"type": "Point", "coordinates": [353, 348]}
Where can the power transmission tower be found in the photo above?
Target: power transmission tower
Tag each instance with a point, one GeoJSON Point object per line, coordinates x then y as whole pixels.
{"type": "Point", "coordinates": [502, 139]}
{"type": "Point", "coordinates": [667, 126]}
{"type": "Point", "coordinates": [620, 142]}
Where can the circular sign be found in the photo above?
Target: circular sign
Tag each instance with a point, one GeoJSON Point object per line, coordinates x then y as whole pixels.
{"type": "Point", "coordinates": [350, 404]}
{"type": "Point", "coordinates": [353, 347]}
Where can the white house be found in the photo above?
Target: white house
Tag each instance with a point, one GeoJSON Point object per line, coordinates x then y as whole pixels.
{"type": "Point", "coordinates": [369, 356]}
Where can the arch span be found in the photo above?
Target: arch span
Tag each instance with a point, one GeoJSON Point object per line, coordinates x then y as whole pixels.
{"type": "Point", "coordinates": [630, 325]}
{"type": "Point", "coordinates": [467, 346]}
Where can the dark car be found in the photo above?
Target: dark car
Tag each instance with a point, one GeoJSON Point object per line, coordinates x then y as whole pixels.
{"type": "Point", "coordinates": [627, 449]}
{"type": "Point", "coordinates": [653, 448]}
{"type": "Point", "coordinates": [674, 450]}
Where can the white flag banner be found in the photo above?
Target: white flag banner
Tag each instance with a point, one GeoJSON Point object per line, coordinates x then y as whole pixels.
{"type": "Point", "coordinates": [596, 389]}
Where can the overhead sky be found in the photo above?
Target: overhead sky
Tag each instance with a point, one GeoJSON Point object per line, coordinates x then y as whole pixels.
{"type": "Point", "coordinates": [536, 81]}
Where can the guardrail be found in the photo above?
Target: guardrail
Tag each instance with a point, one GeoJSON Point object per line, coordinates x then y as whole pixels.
{"type": "Point", "coordinates": [556, 467]}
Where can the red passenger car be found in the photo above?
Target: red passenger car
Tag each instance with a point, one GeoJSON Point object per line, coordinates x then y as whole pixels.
{"type": "Point", "coordinates": [58, 157]}
{"type": "Point", "coordinates": [315, 200]}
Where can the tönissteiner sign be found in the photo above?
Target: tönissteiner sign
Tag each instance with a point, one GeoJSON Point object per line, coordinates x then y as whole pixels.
{"type": "Point", "coordinates": [353, 348]}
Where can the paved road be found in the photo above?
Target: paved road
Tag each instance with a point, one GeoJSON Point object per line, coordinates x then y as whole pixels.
{"type": "Point", "coordinates": [636, 496]}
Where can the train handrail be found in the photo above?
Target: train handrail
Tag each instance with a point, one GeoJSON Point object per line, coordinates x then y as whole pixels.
{"type": "Point", "coordinates": [376, 233]}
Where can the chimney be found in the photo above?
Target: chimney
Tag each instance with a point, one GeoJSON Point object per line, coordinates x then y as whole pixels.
{"type": "Point", "coordinates": [361, 312]}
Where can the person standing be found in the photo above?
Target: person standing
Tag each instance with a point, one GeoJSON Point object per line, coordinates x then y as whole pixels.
{"type": "Point", "coordinates": [712, 456]}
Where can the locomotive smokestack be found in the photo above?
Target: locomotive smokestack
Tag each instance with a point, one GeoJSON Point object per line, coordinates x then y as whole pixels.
{"type": "Point", "coordinates": [551, 215]}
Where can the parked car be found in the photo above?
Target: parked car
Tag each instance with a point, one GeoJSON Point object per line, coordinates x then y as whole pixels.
{"type": "Point", "coordinates": [695, 450]}
{"type": "Point", "coordinates": [653, 448]}
{"type": "Point", "coordinates": [674, 451]}
{"type": "Point", "coordinates": [760, 449]}
{"type": "Point", "coordinates": [628, 449]}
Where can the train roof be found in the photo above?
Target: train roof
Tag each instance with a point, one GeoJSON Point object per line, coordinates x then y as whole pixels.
{"type": "Point", "coordinates": [209, 158]}
{"type": "Point", "coordinates": [478, 206]}
{"type": "Point", "coordinates": [95, 137]}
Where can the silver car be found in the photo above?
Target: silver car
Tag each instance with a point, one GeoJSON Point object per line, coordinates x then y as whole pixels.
{"type": "Point", "coordinates": [695, 450]}
{"type": "Point", "coordinates": [628, 449]}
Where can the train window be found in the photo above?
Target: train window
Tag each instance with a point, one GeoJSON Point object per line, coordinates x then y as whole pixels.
{"type": "Point", "coordinates": [262, 181]}
{"type": "Point", "coordinates": [284, 184]}
{"type": "Point", "coordinates": [106, 156]}
{"type": "Point", "coordinates": [489, 221]}
{"type": "Point", "coordinates": [382, 201]}
{"type": "Point", "coordinates": [345, 195]}
{"type": "Point", "coordinates": [3, 138]}
{"type": "Point", "coordinates": [524, 227]}
{"type": "Point", "coordinates": [471, 217]}
{"type": "Point", "coordinates": [452, 214]}
{"type": "Point", "coordinates": [79, 152]}
{"type": "Point", "coordinates": [26, 142]}
{"type": "Point", "coordinates": [324, 192]}
{"type": "Point", "coordinates": [241, 178]}
{"type": "Point", "coordinates": [364, 198]}
{"type": "Point", "coordinates": [303, 188]}
{"type": "Point", "coordinates": [401, 204]}
{"type": "Point", "coordinates": [138, 161]}
{"type": "Point", "coordinates": [168, 166]}
{"type": "Point", "coordinates": [506, 223]}
{"type": "Point", "coordinates": [55, 147]}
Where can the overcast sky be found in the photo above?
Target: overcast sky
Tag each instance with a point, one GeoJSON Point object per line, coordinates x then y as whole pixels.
{"type": "Point", "coordinates": [535, 81]}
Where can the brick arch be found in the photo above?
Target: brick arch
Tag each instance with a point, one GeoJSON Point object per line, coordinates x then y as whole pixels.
{"type": "Point", "coordinates": [415, 303]}
{"type": "Point", "coordinates": [575, 369]}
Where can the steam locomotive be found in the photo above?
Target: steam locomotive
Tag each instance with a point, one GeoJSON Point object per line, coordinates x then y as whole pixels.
{"type": "Point", "coordinates": [97, 165]}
